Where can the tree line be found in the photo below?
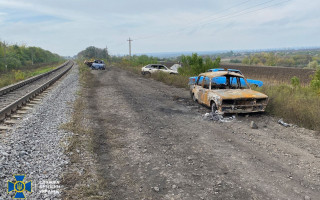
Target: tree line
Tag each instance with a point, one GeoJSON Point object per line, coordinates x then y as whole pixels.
{"type": "Point", "coordinates": [280, 59]}
{"type": "Point", "coordinates": [94, 53]}
{"type": "Point", "coordinates": [23, 57]}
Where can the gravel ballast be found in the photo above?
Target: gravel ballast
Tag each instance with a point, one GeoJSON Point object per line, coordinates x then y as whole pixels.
{"type": "Point", "coordinates": [35, 146]}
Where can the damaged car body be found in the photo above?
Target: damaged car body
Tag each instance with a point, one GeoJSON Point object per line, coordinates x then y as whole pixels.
{"type": "Point", "coordinates": [227, 92]}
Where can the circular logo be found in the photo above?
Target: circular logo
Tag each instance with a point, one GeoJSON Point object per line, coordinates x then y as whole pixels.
{"type": "Point", "coordinates": [19, 186]}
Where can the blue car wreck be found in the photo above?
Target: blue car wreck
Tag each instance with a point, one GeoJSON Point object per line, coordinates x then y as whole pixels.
{"type": "Point", "coordinates": [257, 83]}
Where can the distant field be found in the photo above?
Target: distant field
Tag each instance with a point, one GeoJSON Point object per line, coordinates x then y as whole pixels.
{"type": "Point", "coordinates": [273, 74]}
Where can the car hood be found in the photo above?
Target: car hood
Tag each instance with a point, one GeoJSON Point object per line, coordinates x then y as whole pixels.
{"type": "Point", "coordinates": [172, 71]}
{"type": "Point", "coordinates": [239, 94]}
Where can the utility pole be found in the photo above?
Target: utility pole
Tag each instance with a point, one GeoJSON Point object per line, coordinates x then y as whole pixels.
{"type": "Point", "coordinates": [129, 46]}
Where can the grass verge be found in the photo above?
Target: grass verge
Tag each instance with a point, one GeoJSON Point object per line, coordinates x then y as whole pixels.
{"type": "Point", "coordinates": [298, 105]}
{"type": "Point", "coordinates": [80, 179]}
{"type": "Point", "coordinates": [11, 77]}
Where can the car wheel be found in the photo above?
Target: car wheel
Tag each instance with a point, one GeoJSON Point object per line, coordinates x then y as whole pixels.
{"type": "Point", "coordinates": [213, 107]}
{"type": "Point", "coordinates": [193, 97]}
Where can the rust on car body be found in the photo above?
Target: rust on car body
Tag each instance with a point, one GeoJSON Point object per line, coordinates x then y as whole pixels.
{"type": "Point", "coordinates": [227, 92]}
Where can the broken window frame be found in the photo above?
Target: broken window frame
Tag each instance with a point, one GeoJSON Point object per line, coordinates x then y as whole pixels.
{"type": "Point", "coordinates": [229, 83]}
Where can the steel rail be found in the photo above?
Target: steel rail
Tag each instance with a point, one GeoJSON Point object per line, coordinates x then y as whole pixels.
{"type": "Point", "coordinates": [8, 110]}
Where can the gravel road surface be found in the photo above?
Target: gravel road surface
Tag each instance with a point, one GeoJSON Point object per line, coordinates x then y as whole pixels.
{"type": "Point", "coordinates": [35, 146]}
{"type": "Point", "coordinates": [152, 142]}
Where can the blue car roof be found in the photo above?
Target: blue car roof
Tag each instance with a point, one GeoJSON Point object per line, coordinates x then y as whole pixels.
{"type": "Point", "coordinates": [221, 69]}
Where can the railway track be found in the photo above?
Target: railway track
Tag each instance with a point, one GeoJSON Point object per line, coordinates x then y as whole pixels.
{"type": "Point", "coordinates": [14, 96]}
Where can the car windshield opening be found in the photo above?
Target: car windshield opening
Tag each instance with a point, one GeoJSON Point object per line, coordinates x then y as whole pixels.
{"type": "Point", "coordinates": [228, 82]}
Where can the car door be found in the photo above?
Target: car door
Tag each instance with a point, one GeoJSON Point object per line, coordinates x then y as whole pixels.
{"type": "Point", "coordinates": [163, 68]}
{"type": "Point", "coordinates": [198, 88]}
{"type": "Point", "coordinates": [202, 87]}
{"type": "Point", "coordinates": [204, 90]}
{"type": "Point", "coordinates": [153, 68]}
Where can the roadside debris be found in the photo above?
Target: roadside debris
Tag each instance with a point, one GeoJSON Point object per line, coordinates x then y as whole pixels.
{"type": "Point", "coordinates": [253, 125]}
{"type": "Point", "coordinates": [283, 123]}
{"type": "Point", "coordinates": [218, 117]}
{"type": "Point", "coordinates": [157, 189]}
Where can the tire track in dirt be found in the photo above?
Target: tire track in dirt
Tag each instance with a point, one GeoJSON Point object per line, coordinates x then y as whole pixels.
{"type": "Point", "coordinates": [150, 145]}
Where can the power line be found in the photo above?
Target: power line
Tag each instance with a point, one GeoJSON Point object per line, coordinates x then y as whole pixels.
{"type": "Point", "coordinates": [204, 18]}
{"type": "Point", "coordinates": [217, 19]}
{"type": "Point", "coordinates": [230, 15]}
{"type": "Point", "coordinates": [266, 2]}
{"type": "Point", "coordinates": [252, 11]}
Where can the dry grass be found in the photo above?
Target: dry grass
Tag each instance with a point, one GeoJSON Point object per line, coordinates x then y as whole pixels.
{"type": "Point", "coordinates": [170, 79]}
{"type": "Point", "coordinates": [298, 105]}
{"type": "Point", "coordinates": [128, 67]}
{"type": "Point", "coordinates": [80, 179]}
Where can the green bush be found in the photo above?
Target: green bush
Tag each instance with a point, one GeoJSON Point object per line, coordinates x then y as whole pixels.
{"type": "Point", "coordinates": [194, 65]}
{"type": "Point", "coordinates": [315, 82]}
{"type": "Point", "coordinates": [295, 82]}
{"type": "Point", "coordinates": [18, 75]}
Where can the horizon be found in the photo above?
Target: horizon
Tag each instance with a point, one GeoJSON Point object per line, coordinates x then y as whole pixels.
{"type": "Point", "coordinates": [233, 50]}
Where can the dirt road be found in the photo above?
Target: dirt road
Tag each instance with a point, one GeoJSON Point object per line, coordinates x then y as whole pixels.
{"type": "Point", "coordinates": [152, 142]}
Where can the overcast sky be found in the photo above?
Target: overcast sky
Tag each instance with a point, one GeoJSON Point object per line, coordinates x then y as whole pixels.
{"type": "Point", "coordinates": [69, 26]}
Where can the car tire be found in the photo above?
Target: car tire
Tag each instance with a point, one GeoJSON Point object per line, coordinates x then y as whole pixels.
{"type": "Point", "coordinates": [193, 98]}
{"type": "Point", "coordinates": [213, 107]}
{"type": "Point", "coordinates": [147, 73]}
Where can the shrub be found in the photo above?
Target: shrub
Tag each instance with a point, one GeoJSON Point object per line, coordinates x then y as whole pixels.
{"type": "Point", "coordinates": [194, 65]}
{"type": "Point", "coordinates": [315, 82]}
{"type": "Point", "coordinates": [19, 75]}
{"type": "Point", "coordinates": [295, 82]}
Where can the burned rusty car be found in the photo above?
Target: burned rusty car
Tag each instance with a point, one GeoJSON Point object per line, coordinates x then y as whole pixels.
{"type": "Point", "coordinates": [227, 92]}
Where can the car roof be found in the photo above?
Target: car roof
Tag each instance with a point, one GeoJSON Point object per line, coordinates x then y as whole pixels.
{"type": "Point", "coordinates": [220, 73]}
{"type": "Point", "coordinates": [221, 69]}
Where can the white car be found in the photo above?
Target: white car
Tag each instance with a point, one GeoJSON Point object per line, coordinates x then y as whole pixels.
{"type": "Point", "coordinates": [151, 68]}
